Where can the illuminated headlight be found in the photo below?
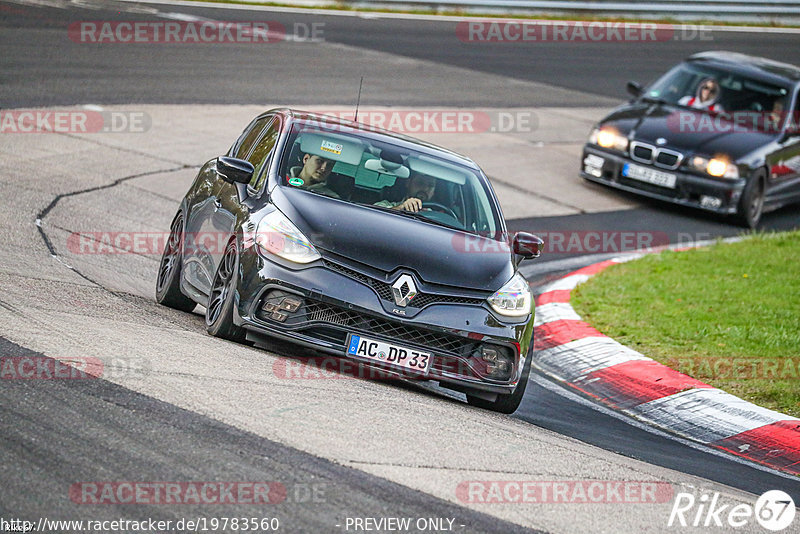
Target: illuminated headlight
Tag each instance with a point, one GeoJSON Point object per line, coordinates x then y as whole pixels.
{"type": "Point", "coordinates": [277, 235]}
{"type": "Point", "coordinates": [513, 299]}
{"type": "Point", "coordinates": [718, 167]}
{"type": "Point", "coordinates": [609, 138]}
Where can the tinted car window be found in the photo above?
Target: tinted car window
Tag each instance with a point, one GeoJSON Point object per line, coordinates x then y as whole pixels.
{"type": "Point", "coordinates": [376, 171]}
{"type": "Point", "coordinates": [262, 153]}
{"type": "Point", "coordinates": [736, 94]}
{"type": "Point", "coordinates": [250, 136]}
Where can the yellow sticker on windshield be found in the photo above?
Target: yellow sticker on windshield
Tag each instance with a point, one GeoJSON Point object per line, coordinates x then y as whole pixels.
{"type": "Point", "coordinates": [334, 148]}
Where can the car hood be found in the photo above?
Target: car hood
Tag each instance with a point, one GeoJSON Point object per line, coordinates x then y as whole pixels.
{"type": "Point", "coordinates": [386, 241]}
{"type": "Point", "coordinates": [686, 130]}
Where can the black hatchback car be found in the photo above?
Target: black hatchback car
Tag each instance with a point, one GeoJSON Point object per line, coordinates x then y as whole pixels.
{"type": "Point", "coordinates": [359, 243]}
{"type": "Point", "coordinates": [717, 132]}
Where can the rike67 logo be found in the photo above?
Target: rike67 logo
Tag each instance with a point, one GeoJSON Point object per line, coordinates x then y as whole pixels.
{"type": "Point", "coordinates": [774, 511]}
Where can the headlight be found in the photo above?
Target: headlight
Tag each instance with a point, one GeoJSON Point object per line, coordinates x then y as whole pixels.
{"type": "Point", "coordinates": [609, 138]}
{"type": "Point", "coordinates": [277, 235]}
{"type": "Point", "coordinates": [718, 167]}
{"type": "Point", "coordinates": [513, 299]}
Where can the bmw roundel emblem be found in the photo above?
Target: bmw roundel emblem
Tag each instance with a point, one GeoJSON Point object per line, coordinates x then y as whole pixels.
{"type": "Point", "coordinates": [661, 141]}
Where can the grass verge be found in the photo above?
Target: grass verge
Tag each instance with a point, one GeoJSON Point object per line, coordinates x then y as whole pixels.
{"type": "Point", "coordinates": [728, 314]}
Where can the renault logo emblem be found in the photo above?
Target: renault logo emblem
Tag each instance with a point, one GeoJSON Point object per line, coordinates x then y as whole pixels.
{"type": "Point", "coordinates": [403, 290]}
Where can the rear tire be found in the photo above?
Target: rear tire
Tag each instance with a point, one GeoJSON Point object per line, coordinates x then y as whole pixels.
{"type": "Point", "coordinates": [505, 403]}
{"type": "Point", "coordinates": [219, 309]}
{"type": "Point", "coordinates": [751, 205]}
{"type": "Point", "coordinates": [168, 285]}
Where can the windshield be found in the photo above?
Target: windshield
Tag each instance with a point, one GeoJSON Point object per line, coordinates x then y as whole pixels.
{"type": "Point", "coordinates": [372, 170]}
{"type": "Point", "coordinates": [715, 90]}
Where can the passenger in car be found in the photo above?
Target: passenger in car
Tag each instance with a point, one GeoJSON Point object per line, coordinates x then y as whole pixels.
{"type": "Point", "coordinates": [420, 188]}
{"type": "Point", "coordinates": [706, 98]}
{"type": "Point", "coordinates": [314, 175]}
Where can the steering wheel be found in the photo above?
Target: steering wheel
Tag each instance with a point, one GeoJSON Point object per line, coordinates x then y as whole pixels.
{"type": "Point", "coordinates": [435, 206]}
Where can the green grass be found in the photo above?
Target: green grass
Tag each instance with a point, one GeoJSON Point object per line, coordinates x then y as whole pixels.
{"type": "Point", "coordinates": [728, 314]}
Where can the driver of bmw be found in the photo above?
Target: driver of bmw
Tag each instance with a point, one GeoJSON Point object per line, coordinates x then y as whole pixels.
{"type": "Point", "coordinates": [420, 189]}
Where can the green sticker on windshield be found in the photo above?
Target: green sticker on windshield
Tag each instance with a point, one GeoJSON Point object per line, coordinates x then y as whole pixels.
{"type": "Point", "coordinates": [296, 181]}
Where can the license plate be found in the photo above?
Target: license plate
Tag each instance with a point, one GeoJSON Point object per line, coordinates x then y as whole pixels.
{"type": "Point", "coordinates": [651, 176]}
{"type": "Point", "coordinates": [388, 354]}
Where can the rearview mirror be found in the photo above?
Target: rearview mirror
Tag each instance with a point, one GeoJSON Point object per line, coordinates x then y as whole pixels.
{"type": "Point", "coordinates": [234, 170]}
{"type": "Point", "coordinates": [527, 245]}
{"type": "Point", "coordinates": [634, 89]}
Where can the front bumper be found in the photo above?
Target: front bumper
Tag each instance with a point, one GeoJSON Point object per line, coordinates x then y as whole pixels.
{"type": "Point", "coordinates": [706, 193]}
{"type": "Point", "coordinates": [336, 300]}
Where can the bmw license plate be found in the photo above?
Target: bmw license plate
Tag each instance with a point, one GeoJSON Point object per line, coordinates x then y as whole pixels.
{"type": "Point", "coordinates": [388, 354]}
{"type": "Point", "coordinates": [651, 176]}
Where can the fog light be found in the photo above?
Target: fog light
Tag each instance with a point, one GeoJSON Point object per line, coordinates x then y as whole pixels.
{"type": "Point", "coordinates": [279, 316]}
{"type": "Point", "coordinates": [290, 304]}
{"type": "Point", "coordinates": [278, 306]}
{"type": "Point", "coordinates": [498, 361]}
{"type": "Point", "coordinates": [710, 202]}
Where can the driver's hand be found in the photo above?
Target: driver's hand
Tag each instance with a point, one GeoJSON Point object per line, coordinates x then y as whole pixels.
{"type": "Point", "coordinates": [412, 204]}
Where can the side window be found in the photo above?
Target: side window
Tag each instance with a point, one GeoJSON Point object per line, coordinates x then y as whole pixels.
{"type": "Point", "coordinates": [262, 154]}
{"type": "Point", "coordinates": [250, 136]}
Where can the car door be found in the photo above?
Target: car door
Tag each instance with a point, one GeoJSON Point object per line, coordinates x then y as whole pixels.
{"type": "Point", "coordinates": [229, 211]}
{"type": "Point", "coordinates": [784, 162]}
{"type": "Point", "coordinates": [206, 228]}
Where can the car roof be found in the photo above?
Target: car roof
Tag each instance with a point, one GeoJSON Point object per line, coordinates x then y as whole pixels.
{"type": "Point", "coordinates": [377, 134]}
{"type": "Point", "coordinates": [751, 66]}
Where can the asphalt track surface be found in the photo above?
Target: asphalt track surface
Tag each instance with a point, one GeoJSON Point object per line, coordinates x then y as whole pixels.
{"type": "Point", "coordinates": [38, 68]}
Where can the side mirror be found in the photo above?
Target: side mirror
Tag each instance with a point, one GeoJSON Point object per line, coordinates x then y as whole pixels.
{"type": "Point", "coordinates": [234, 171]}
{"type": "Point", "coordinates": [527, 245]}
{"type": "Point", "coordinates": [634, 89]}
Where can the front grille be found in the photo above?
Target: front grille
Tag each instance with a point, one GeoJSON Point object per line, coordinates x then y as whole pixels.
{"type": "Point", "coordinates": [384, 290]}
{"type": "Point", "coordinates": [668, 159]}
{"type": "Point", "coordinates": [660, 157]}
{"type": "Point", "coordinates": [314, 312]}
{"type": "Point", "coordinates": [327, 313]}
{"type": "Point", "coordinates": [642, 153]}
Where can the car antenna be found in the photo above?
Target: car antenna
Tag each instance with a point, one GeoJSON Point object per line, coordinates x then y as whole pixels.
{"type": "Point", "coordinates": [355, 119]}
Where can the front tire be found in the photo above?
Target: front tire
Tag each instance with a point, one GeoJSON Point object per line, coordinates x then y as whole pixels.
{"type": "Point", "coordinates": [505, 403]}
{"type": "Point", "coordinates": [751, 205]}
{"type": "Point", "coordinates": [219, 309]}
{"type": "Point", "coordinates": [168, 286]}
